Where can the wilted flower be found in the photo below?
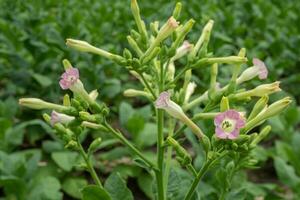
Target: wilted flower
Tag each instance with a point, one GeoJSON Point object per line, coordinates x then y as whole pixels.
{"type": "Point", "coordinates": [185, 48]}
{"type": "Point", "coordinates": [263, 71]}
{"type": "Point", "coordinates": [60, 118]}
{"type": "Point", "coordinates": [228, 124]}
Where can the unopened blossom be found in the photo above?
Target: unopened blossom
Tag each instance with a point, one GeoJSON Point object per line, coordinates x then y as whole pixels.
{"type": "Point", "coordinates": [189, 91]}
{"type": "Point", "coordinates": [258, 69]}
{"type": "Point", "coordinates": [60, 118]}
{"type": "Point", "coordinates": [184, 49]}
{"type": "Point", "coordinates": [228, 124]}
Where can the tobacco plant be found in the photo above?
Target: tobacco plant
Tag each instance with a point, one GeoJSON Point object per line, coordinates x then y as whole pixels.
{"type": "Point", "coordinates": [163, 61]}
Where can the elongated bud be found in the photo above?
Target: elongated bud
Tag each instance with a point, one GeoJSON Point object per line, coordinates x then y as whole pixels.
{"type": "Point", "coordinates": [134, 46]}
{"type": "Point", "coordinates": [182, 33]}
{"type": "Point", "coordinates": [213, 80]}
{"type": "Point", "coordinates": [183, 50]}
{"type": "Point", "coordinates": [135, 93]}
{"type": "Point", "coordinates": [177, 10]}
{"type": "Point", "coordinates": [93, 94]}
{"type": "Point", "coordinates": [204, 38]}
{"type": "Point", "coordinates": [66, 100]}
{"type": "Point", "coordinates": [224, 105]}
{"type": "Point", "coordinates": [272, 110]}
{"type": "Point", "coordinates": [166, 30]}
{"type": "Point", "coordinates": [138, 20]}
{"type": "Point", "coordinates": [225, 60]}
{"type": "Point", "coordinates": [180, 151]}
{"type": "Point", "coordinates": [60, 118]}
{"type": "Point", "coordinates": [259, 91]}
{"type": "Point", "coordinates": [258, 107]}
{"type": "Point", "coordinates": [94, 126]}
{"type": "Point", "coordinates": [47, 118]}
{"type": "Point", "coordinates": [66, 64]}
{"type": "Point", "coordinates": [154, 28]}
{"type": "Point", "coordinates": [38, 104]}
{"type": "Point", "coordinates": [152, 55]}
{"type": "Point", "coordinates": [171, 71]}
{"type": "Point", "coordinates": [189, 91]}
{"type": "Point", "coordinates": [94, 145]}
{"type": "Point", "coordinates": [85, 116]}
{"type": "Point", "coordinates": [86, 47]}
{"type": "Point", "coordinates": [262, 135]}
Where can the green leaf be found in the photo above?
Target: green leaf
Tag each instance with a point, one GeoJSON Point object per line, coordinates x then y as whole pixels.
{"type": "Point", "coordinates": [148, 136]}
{"type": "Point", "coordinates": [117, 188]}
{"type": "Point", "coordinates": [44, 81]}
{"type": "Point", "coordinates": [286, 173]}
{"type": "Point", "coordinates": [93, 192]}
{"type": "Point", "coordinates": [73, 186]}
{"type": "Point", "coordinates": [125, 112]}
{"type": "Point", "coordinates": [145, 181]}
{"type": "Point", "coordinates": [46, 188]}
{"type": "Point", "coordinates": [65, 159]}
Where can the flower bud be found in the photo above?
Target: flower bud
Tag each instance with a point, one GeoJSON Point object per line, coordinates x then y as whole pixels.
{"type": "Point", "coordinates": [204, 38]}
{"type": "Point", "coordinates": [184, 49]}
{"type": "Point", "coordinates": [94, 126]}
{"type": "Point", "coordinates": [182, 32]}
{"type": "Point", "coordinates": [177, 10]}
{"type": "Point", "coordinates": [66, 64]}
{"type": "Point", "coordinates": [180, 151]}
{"type": "Point", "coordinates": [224, 104]}
{"type": "Point", "coordinates": [85, 116]}
{"type": "Point", "coordinates": [94, 145]}
{"type": "Point", "coordinates": [138, 20]}
{"type": "Point", "coordinates": [134, 45]}
{"type": "Point", "coordinates": [189, 91]}
{"type": "Point", "coordinates": [135, 93]}
{"type": "Point", "coordinates": [39, 104]}
{"type": "Point", "coordinates": [93, 95]}
{"type": "Point", "coordinates": [262, 135]}
{"type": "Point", "coordinates": [60, 118]}
{"type": "Point", "coordinates": [258, 107]}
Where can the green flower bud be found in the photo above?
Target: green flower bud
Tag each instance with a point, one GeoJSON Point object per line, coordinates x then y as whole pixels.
{"type": "Point", "coordinates": [258, 107]}
{"type": "Point", "coordinates": [127, 54]}
{"type": "Point", "coordinates": [177, 10]}
{"type": "Point", "coordinates": [66, 100]}
{"type": "Point", "coordinates": [262, 135]}
{"type": "Point", "coordinates": [224, 105]}
{"type": "Point", "coordinates": [94, 145]}
{"type": "Point", "coordinates": [134, 46]}
{"type": "Point", "coordinates": [184, 156]}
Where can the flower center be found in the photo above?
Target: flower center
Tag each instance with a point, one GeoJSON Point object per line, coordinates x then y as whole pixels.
{"type": "Point", "coordinates": [228, 125]}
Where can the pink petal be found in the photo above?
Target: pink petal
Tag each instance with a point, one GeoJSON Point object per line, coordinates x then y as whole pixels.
{"type": "Point", "coordinates": [219, 119]}
{"type": "Point", "coordinates": [163, 99]}
{"type": "Point", "coordinates": [263, 71]}
{"type": "Point", "coordinates": [234, 134]}
{"type": "Point", "coordinates": [232, 114]}
{"type": "Point", "coordinates": [240, 123]}
{"type": "Point", "coordinates": [220, 133]}
{"type": "Point", "coordinates": [63, 84]}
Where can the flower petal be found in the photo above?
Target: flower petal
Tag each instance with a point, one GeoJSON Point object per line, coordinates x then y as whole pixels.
{"type": "Point", "coordinates": [220, 133]}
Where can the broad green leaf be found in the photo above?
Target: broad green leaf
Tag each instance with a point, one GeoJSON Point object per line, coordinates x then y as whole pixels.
{"type": "Point", "coordinates": [125, 112]}
{"type": "Point", "coordinates": [65, 159]}
{"type": "Point", "coordinates": [117, 188]}
{"type": "Point", "coordinates": [73, 186]}
{"type": "Point", "coordinates": [145, 181]}
{"type": "Point", "coordinates": [46, 188]}
{"type": "Point", "coordinates": [93, 192]}
{"type": "Point", "coordinates": [286, 173]}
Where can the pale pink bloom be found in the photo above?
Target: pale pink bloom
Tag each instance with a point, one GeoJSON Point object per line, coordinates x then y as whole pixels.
{"type": "Point", "coordinates": [164, 102]}
{"type": "Point", "coordinates": [228, 124]}
{"type": "Point", "coordinates": [69, 78]}
{"type": "Point", "coordinates": [60, 118]}
{"type": "Point", "coordinates": [263, 71]}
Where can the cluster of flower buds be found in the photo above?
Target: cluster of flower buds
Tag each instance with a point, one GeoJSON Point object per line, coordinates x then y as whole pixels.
{"type": "Point", "coordinates": [76, 113]}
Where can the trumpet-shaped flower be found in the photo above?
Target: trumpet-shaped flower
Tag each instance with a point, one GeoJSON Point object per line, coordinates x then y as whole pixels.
{"type": "Point", "coordinates": [69, 78]}
{"type": "Point", "coordinates": [228, 124]}
{"type": "Point", "coordinates": [60, 118]}
{"type": "Point", "coordinates": [258, 69]}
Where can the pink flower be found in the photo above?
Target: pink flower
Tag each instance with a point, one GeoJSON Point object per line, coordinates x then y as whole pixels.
{"type": "Point", "coordinates": [69, 78]}
{"type": "Point", "coordinates": [228, 124]}
{"type": "Point", "coordinates": [263, 71]}
{"type": "Point", "coordinates": [164, 102]}
{"type": "Point", "coordinates": [60, 118]}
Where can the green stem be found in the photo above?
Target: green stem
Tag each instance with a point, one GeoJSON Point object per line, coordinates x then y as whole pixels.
{"type": "Point", "coordinates": [169, 153]}
{"type": "Point", "coordinates": [178, 76]}
{"type": "Point", "coordinates": [118, 135]}
{"type": "Point", "coordinates": [160, 155]}
{"type": "Point", "coordinates": [197, 180]}
{"type": "Point", "coordinates": [89, 165]}
{"type": "Point", "coordinates": [147, 85]}
{"type": "Point", "coordinates": [192, 169]}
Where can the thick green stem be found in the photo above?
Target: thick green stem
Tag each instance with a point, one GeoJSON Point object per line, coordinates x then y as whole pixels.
{"type": "Point", "coordinates": [192, 169]}
{"type": "Point", "coordinates": [160, 155]}
{"type": "Point", "coordinates": [169, 153]}
{"type": "Point", "coordinates": [128, 144]}
{"type": "Point", "coordinates": [148, 86]}
{"type": "Point", "coordinates": [89, 165]}
{"type": "Point", "coordinates": [197, 180]}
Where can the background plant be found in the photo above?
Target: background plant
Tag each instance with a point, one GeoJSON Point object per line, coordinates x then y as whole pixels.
{"type": "Point", "coordinates": [24, 27]}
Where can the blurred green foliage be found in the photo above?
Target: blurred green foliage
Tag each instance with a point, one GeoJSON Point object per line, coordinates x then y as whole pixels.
{"type": "Point", "coordinates": [33, 165]}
